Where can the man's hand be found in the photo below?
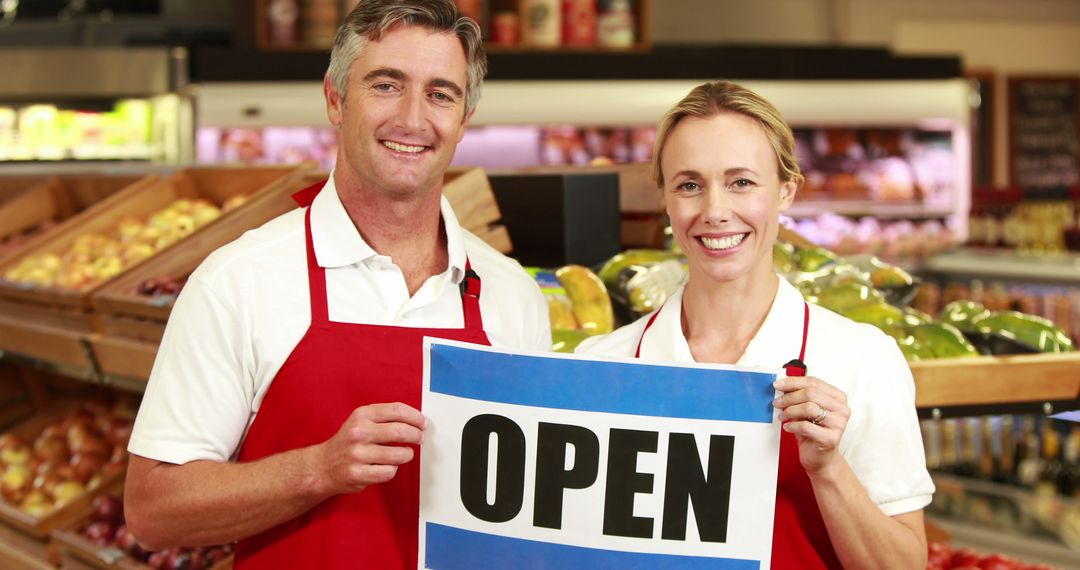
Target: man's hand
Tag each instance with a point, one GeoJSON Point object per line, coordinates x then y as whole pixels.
{"type": "Point", "coordinates": [369, 447]}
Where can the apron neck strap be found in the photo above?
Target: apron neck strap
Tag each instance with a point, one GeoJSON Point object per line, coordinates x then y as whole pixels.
{"type": "Point", "coordinates": [320, 314]}
{"type": "Point", "coordinates": [794, 367]}
{"type": "Point", "coordinates": [470, 298]}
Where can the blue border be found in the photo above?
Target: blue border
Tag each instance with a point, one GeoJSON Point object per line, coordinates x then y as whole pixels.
{"type": "Point", "coordinates": [450, 548]}
{"type": "Point", "coordinates": [600, 386]}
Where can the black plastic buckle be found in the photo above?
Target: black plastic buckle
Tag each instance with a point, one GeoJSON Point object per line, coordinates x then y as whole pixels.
{"type": "Point", "coordinates": [795, 363]}
{"type": "Point", "coordinates": [464, 285]}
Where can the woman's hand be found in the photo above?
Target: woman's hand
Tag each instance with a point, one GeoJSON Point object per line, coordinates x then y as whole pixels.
{"type": "Point", "coordinates": [817, 413]}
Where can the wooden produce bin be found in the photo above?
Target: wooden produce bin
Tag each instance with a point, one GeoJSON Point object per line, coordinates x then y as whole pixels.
{"type": "Point", "coordinates": [75, 551]}
{"type": "Point", "coordinates": [23, 537]}
{"type": "Point", "coordinates": [53, 199]}
{"type": "Point", "coordinates": [997, 380]}
{"type": "Point", "coordinates": [68, 308]}
{"type": "Point", "coordinates": [470, 195]}
{"type": "Point", "coordinates": [131, 325]}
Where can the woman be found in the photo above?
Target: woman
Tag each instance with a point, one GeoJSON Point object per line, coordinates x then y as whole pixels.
{"type": "Point", "coordinates": [852, 482]}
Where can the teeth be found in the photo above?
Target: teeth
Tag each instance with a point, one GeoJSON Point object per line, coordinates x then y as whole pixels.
{"type": "Point", "coordinates": [726, 242]}
{"type": "Point", "coordinates": [402, 147]}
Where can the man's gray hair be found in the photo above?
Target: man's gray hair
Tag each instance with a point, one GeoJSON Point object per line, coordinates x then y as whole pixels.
{"type": "Point", "coordinates": [372, 18]}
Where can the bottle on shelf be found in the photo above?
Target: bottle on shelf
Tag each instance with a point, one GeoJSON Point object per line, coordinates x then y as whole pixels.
{"type": "Point", "coordinates": [541, 23]}
{"type": "Point", "coordinates": [948, 445]}
{"type": "Point", "coordinates": [615, 24]}
{"type": "Point", "coordinates": [1007, 462]}
{"type": "Point", "coordinates": [579, 23]}
{"type": "Point", "coordinates": [969, 448]}
{"type": "Point", "coordinates": [931, 435]}
{"type": "Point", "coordinates": [1069, 479]}
{"type": "Point", "coordinates": [1050, 468]}
{"type": "Point", "coordinates": [988, 458]}
{"type": "Point", "coordinates": [283, 19]}
{"type": "Point", "coordinates": [1028, 461]}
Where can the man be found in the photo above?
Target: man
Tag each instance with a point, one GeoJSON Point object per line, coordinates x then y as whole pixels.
{"type": "Point", "coordinates": [282, 410]}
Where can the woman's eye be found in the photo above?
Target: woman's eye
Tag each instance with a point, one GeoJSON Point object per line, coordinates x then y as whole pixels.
{"type": "Point", "coordinates": [743, 183]}
{"type": "Point", "coordinates": [690, 186]}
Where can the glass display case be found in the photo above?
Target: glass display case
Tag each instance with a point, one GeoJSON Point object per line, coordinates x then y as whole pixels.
{"type": "Point", "coordinates": [112, 104]}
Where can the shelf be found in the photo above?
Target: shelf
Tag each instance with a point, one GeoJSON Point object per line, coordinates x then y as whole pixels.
{"type": "Point", "coordinates": [1007, 264]}
{"type": "Point", "coordinates": [216, 64]}
{"type": "Point", "coordinates": [970, 386]}
{"type": "Point", "coordinates": [869, 207]}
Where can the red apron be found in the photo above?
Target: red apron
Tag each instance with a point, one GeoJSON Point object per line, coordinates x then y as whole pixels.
{"type": "Point", "coordinates": [800, 539]}
{"type": "Point", "coordinates": [335, 368]}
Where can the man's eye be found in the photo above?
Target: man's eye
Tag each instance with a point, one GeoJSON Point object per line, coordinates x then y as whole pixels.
{"type": "Point", "coordinates": [442, 97]}
{"type": "Point", "coordinates": [384, 87]}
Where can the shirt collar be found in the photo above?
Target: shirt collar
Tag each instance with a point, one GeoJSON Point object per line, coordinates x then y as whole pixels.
{"type": "Point", "coordinates": [776, 342]}
{"type": "Point", "coordinates": [337, 243]}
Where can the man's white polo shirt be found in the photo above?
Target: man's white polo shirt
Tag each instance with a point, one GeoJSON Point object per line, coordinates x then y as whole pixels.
{"type": "Point", "coordinates": [246, 307]}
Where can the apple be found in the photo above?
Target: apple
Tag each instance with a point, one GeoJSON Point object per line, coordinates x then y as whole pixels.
{"type": "Point", "coordinates": [998, 562]}
{"type": "Point", "coordinates": [86, 465]}
{"type": "Point", "coordinates": [66, 491]}
{"type": "Point", "coordinates": [107, 508]}
{"type": "Point", "coordinates": [36, 504]}
{"type": "Point", "coordinates": [16, 455]}
{"type": "Point", "coordinates": [51, 449]}
{"type": "Point", "coordinates": [157, 559]}
{"type": "Point", "coordinates": [100, 533]}
{"type": "Point", "coordinates": [8, 440]}
{"type": "Point", "coordinates": [16, 482]}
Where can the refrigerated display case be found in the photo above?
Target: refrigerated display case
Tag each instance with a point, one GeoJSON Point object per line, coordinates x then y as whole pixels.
{"type": "Point", "coordinates": [107, 104]}
{"type": "Point", "coordinates": [891, 158]}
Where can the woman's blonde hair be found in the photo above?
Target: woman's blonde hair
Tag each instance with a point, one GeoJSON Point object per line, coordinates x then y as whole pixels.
{"type": "Point", "coordinates": [716, 97]}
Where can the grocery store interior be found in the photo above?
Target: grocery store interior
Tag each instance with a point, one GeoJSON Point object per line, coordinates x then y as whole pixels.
{"type": "Point", "coordinates": [940, 142]}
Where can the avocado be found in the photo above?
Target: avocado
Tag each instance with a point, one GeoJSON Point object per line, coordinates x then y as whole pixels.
{"type": "Point", "coordinates": [943, 340]}
{"type": "Point", "coordinates": [964, 315]}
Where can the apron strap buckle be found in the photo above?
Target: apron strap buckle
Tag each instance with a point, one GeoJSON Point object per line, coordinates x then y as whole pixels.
{"type": "Point", "coordinates": [470, 284]}
{"type": "Point", "coordinates": [795, 367]}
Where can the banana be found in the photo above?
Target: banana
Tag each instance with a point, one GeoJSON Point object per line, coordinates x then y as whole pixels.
{"type": "Point", "coordinates": [588, 297]}
{"type": "Point", "coordinates": [560, 313]}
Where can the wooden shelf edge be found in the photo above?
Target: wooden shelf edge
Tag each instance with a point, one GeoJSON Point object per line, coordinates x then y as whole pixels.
{"type": "Point", "coordinates": [996, 380]}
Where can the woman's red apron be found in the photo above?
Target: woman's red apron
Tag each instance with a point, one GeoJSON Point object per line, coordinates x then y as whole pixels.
{"type": "Point", "coordinates": [336, 368]}
{"type": "Point", "coordinates": [800, 539]}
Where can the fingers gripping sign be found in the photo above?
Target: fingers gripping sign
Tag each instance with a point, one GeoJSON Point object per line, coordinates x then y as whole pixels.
{"type": "Point", "coordinates": [817, 413]}
{"type": "Point", "coordinates": [370, 445]}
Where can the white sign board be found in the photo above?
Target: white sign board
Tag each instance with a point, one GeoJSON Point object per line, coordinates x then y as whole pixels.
{"type": "Point", "coordinates": [560, 461]}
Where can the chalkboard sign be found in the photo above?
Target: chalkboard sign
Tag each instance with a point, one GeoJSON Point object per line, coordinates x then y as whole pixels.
{"type": "Point", "coordinates": [1044, 132]}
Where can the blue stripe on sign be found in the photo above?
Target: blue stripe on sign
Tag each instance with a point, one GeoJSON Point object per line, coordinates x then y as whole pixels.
{"type": "Point", "coordinates": [451, 548]}
{"type": "Point", "coordinates": [595, 386]}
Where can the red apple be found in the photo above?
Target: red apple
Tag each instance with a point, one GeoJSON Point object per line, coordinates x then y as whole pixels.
{"type": "Point", "coordinates": [86, 465]}
{"type": "Point", "coordinates": [100, 533]}
{"type": "Point", "coordinates": [107, 508]}
{"type": "Point", "coordinates": [157, 559]}
{"type": "Point", "coordinates": [52, 449]}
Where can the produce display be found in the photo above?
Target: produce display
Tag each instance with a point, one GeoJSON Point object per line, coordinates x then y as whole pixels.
{"type": "Point", "coordinates": [861, 288]}
{"type": "Point", "coordinates": [164, 285]}
{"type": "Point", "coordinates": [68, 457]}
{"type": "Point", "coordinates": [870, 291]}
{"type": "Point", "coordinates": [578, 305]}
{"type": "Point", "coordinates": [94, 258]}
{"type": "Point", "coordinates": [106, 529]}
{"type": "Point", "coordinates": [14, 241]}
{"type": "Point", "coordinates": [943, 557]}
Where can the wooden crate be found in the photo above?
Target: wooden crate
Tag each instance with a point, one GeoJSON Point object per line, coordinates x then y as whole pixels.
{"type": "Point", "coordinates": [56, 198]}
{"type": "Point", "coordinates": [76, 551]}
{"type": "Point", "coordinates": [39, 528]}
{"type": "Point", "coordinates": [122, 312]}
{"type": "Point", "coordinates": [70, 308]}
{"type": "Point", "coordinates": [470, 195]}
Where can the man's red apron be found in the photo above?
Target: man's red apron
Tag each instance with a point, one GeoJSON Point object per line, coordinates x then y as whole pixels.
{"type": "Point", "coordinates": [335, 368]}
{"type": "Point", "coordinates": [800, 539]}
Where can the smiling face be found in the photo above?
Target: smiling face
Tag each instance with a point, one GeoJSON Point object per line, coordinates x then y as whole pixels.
{"type": "Point", "coordinates": [403, 113]}
{"type": "Point", "coordinates": [724, 196]}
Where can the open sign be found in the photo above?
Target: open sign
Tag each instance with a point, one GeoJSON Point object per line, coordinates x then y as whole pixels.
{"type": "Point", "coordinates": [535, 461]}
